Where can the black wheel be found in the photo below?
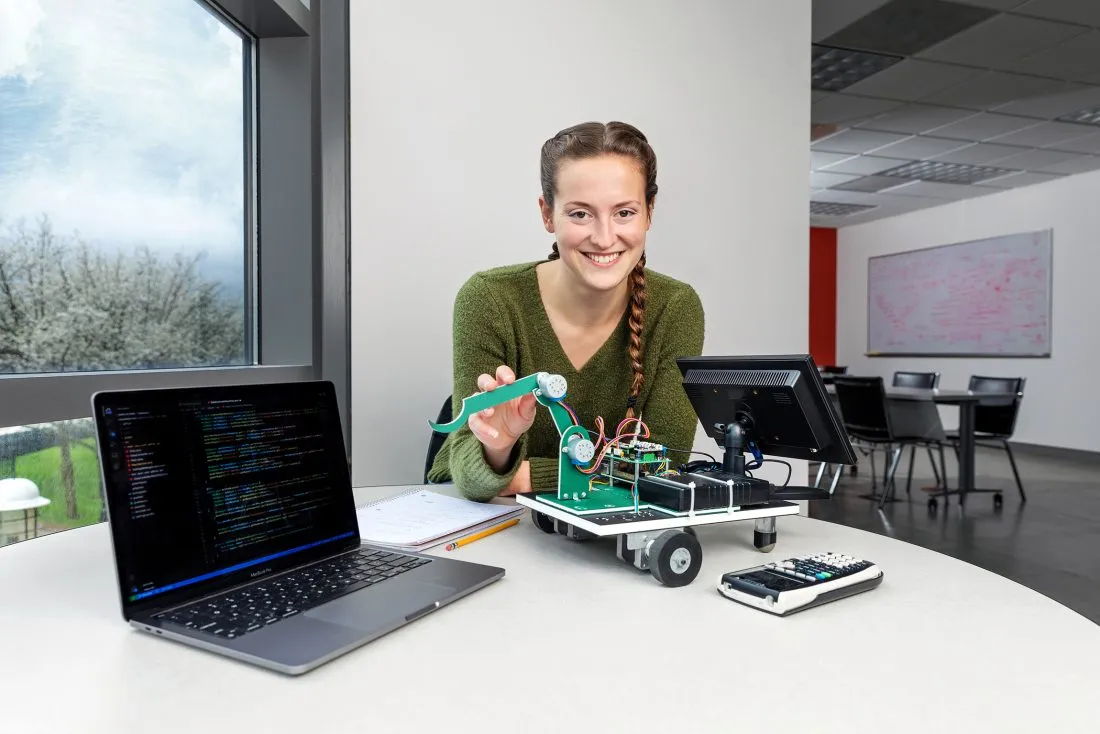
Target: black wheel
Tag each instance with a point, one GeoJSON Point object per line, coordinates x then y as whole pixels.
{"type": "Point", "coordinates": [932, 504]}
{"type": "Point", "coordinates": [998, 501]}
{"type": "Point", "coordinates": [545, 523]}
{"type": "Point", "coordinates": [675, 558]}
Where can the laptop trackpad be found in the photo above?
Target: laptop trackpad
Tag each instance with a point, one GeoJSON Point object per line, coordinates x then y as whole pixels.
{"type": "Point", "coordinates": [384, 605]}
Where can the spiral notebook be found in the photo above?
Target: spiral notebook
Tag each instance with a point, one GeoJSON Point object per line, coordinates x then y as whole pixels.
{"type": "Point", "coordinates": [419, 518]}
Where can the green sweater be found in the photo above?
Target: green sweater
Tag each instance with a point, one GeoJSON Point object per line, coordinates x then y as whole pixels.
{"type": "Point", "coordinates": [499, 319]}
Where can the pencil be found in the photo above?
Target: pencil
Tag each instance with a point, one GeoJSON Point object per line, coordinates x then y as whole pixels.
{"type": "Point", "coordinates": [483, 534]}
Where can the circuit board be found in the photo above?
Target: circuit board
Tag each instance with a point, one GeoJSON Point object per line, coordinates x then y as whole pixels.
{"type": "Point", "coordinates": [602, 499]}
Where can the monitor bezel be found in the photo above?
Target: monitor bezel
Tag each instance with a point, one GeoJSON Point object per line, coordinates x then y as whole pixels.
{"type": "Point", "coordinates": [839, 450]}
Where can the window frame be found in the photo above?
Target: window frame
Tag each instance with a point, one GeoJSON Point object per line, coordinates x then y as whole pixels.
{"type": "Point", "coordinates": [296, 191]}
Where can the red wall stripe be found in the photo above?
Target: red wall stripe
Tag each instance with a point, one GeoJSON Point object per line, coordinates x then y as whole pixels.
{"type": "Point", "coordinates": [823, 295]}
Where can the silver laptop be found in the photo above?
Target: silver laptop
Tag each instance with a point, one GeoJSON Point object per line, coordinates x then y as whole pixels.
{"type": "Point", "coordinates": [234, 527]}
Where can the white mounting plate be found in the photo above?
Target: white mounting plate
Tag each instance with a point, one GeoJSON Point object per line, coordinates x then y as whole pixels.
{"type": "Point", "coordinates": [673, 521]}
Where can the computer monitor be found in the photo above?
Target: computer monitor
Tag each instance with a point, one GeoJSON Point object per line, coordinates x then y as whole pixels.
{"type": "Point", "coordinates": [774, 405]}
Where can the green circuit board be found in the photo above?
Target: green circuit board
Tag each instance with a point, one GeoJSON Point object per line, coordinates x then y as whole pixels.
{"type": "Point", "coordinates": [603, 499]}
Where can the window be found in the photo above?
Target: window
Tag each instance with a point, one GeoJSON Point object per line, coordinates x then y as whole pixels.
{"type": "Point", "coordinates": [152, 156]}
{"type": "Point", "coordinates": [123, 187]}
{"type": "Point", "coordinates": [56, 484]}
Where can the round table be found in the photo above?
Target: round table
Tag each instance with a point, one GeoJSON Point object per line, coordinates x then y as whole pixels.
{"type": "Point", "coordinates": [572, 639]}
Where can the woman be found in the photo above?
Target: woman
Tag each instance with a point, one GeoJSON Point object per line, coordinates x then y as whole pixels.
{"type": "Point", "coordinates": [591, 312]}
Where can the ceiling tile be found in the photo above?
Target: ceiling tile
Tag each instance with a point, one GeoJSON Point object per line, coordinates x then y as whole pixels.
{"type": "Point", "coordinates": [1077, 164]}
{"type": "Point", "coordinates": [911, 80]}
{"type": "Point", "coordinates": [1077, 58]}
{"type": "Point", "coordinates": [847, 108]}
{"type": "Point", "coordinates": [936, 190]}
{"type": "Point", "coordinates": [918, 148]}
{"type": "Point", "coordinates": [915, 119]}
{"type": "Point", "coordinates": [1086, 12]}
{"type": "Point", "coordinates": [868, 184]}
{"type": "Point", "coordinates": [1069, 97]}
{"type": "Point", "coordinates": [830, 17]}
{"type": "Point", "coordinates": [1015, 180]}
{"type": "Point", "coordinates": [840, 197]}
{"type": "Point", "coordinates": [979, 153]}
{"type": "Point", "coordinates": [863, 165]}
{"type": "Point", "coordinates": [819, 180]}
{"type": "Point", "coordinates": [984, 126]}
{"type": "Point", "coordinates": [991, 89]}
{"type": "Point", "coordinates": [1087, 144]}
{"type": "Point", "coordinates": [1000, 40]}
{"type": "Point", "coordinates": [995, 4]}
{"type": "Point", "coordinates": [820, 159]}
{"type": "Point", "coordinates": [1043, 134]}
{"type": "Point", "coordinates": [855, 141]}
{"type": "Point", "coordinates": [904, 27]}
{"type": "Point", "coordinates": [1034, 160]}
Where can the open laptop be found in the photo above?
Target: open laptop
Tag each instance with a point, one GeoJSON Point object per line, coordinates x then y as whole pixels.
{"type": "Point", "coordinates": [234, 527]}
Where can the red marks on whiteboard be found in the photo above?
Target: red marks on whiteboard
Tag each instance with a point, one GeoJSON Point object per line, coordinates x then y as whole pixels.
{"type": "Point", "coordinates": [984, 297]}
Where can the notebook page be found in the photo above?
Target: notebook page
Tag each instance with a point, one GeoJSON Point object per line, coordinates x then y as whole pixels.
{"type": "Point", "coordinates": [418, 517]}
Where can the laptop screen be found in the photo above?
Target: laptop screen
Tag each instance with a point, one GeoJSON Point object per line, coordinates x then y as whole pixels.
{"type": "Point", "coordinates": [213, 485]}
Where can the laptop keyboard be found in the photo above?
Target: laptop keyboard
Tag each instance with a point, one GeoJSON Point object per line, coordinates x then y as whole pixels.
{"type": "Point", "coordinates": [245, 610]}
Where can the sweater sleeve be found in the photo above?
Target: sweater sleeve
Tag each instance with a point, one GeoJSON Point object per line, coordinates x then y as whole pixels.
{"type": "Point", "coordinates": [667, 410]}
{"type": "Point", "coordinates": [482, 341]}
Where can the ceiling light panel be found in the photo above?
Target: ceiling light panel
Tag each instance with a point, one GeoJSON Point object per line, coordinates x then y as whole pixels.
{"type": "Point", "coordinates": [944, 172]}
{"type": "Point", "coordinates": [835, 209]}
{"type": "Point", "coordinates": [906, 27]}
{"type": "Point", "coordinates": [1083, 117]}
{"type": "Point", "coordinates": [834, 69]}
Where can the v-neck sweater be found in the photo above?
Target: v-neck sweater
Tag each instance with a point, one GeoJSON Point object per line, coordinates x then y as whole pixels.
{"type": "Point", "coordinates": [500, 319]}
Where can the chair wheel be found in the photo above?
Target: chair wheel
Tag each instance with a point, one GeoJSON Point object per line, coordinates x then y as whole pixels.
{"type": "Point", "coordinates": [998, 501]}
{"type": "Point", "coordinates": [545, 523]}
{"type": "Point", "coordinates": [932, 504]}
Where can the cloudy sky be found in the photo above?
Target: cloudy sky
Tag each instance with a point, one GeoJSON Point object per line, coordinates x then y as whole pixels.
{"type": "Point", "coordinates": [123, 121]}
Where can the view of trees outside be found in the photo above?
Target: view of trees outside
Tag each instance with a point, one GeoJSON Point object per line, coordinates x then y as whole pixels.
{"type": "Point", "coordinates": [122, 213]}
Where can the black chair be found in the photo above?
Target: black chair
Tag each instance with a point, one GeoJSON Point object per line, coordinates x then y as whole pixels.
{"type": "Point", "coordinates": [995, 424]}
{"type": "Point", "coordinates": [435, 442]}
{"type": "Point", "coordinates": [921, 381]}
{"type": "Point", "coordinates": [872, 420]}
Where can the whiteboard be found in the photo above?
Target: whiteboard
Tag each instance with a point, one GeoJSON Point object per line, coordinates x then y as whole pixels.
{"type": "Point", "coordinates": [985, 298]}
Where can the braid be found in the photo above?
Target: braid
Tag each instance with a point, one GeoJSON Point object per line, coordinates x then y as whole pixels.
{"type": "Point", "coordinates": [637, 322]}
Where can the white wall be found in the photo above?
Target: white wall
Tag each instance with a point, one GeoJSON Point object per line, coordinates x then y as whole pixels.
{"type": "Point", "coordinates": [450, 103]}
{"type": "Point", "coordinates": [1061, 402]}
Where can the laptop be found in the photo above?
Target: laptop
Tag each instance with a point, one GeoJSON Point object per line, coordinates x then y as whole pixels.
{"type": "Point", "coordinates": [234, 529]}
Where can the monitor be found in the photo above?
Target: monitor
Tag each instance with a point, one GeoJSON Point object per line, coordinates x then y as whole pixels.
{"type": "Point", "coordinates": [767, 405]}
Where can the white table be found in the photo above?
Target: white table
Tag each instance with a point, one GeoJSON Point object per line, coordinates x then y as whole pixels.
{"type": "Point", "coordinates": [574, 640]}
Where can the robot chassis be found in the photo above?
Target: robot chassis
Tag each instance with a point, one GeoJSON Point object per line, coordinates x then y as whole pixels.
{"type": "Point", "coordinates": [649, 536]}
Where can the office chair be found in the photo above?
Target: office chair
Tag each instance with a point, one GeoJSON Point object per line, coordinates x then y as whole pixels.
{"type": "Point", "coordinates": [866, 419]}
{"type": "Point", "coordinates": [435, 442]}
{"type": "Point", "coordinates": [995, 424]}
{"type": "Point", "coordinates": [921, 381]}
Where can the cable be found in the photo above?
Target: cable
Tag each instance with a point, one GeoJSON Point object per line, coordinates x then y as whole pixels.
{"type": "Point", "coordinates": [689, 453]}
{"type": "Point", "coordinates": [780, 461]}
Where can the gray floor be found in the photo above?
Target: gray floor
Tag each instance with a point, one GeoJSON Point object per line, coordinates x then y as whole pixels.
{"type": "Point", "coordinates": [1050, 544]}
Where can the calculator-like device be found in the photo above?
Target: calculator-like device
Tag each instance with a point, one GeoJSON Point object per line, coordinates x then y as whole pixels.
{"type": "Point", "coordinates": [799, 583]}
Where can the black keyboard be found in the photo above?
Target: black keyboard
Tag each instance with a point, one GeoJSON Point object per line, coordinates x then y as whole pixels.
{"type": "Point", "coordinates": [248, 609]}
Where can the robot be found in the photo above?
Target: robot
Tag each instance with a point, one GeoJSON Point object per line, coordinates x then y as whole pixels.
{"type": "Point", "coordinates": [626, 487]}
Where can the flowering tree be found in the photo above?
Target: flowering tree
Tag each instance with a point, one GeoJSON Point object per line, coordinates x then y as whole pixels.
{"type": "Point", "coordinates": [67, 306]}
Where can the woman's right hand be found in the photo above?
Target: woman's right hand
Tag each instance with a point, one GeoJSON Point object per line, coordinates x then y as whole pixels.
{"type": "Point", "coordinates": [498, 428]}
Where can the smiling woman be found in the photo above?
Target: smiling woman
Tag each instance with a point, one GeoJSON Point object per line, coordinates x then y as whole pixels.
{"type": "Point", "coordinates": [592, 311]}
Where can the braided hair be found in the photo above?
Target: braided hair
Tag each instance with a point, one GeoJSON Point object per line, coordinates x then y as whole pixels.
{"type": "Point", "coordinates": [592, 139]}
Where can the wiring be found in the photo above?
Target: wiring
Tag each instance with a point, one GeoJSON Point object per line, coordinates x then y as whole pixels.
{"type": "Point", "coordinates": [784, 463]}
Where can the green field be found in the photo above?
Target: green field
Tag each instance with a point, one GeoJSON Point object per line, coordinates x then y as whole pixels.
{"type": "Point", "coordinates": [44, 469]}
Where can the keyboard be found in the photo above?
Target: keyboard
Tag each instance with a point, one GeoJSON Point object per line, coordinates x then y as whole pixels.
{"type": "Point", "coordinates": [799, 583]}
{"type": "Point", "coordinates": [239, 612]}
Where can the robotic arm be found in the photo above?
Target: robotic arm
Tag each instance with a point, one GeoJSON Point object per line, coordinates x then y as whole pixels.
{"type": "Point", "coordinates": [576, 447]}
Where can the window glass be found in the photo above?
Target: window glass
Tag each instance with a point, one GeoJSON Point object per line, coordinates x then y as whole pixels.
{"type": "Point", "coordinates": [49, 479]}
{"type": "Point", "coordinates": [122, 186]}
